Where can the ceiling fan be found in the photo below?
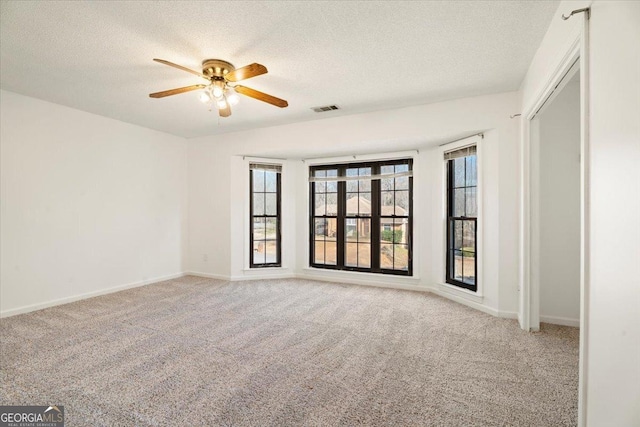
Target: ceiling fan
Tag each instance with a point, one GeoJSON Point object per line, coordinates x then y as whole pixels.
{"type": "Point", "coordinates": [219, 91]}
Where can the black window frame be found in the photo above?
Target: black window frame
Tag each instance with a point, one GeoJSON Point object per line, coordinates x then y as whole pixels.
{"type": "Point", "coordinates": [277, 216]}
{"type": "Point", "coordinates": [375, 218]}
{"type": "Point", "coordinates": [450, 227]}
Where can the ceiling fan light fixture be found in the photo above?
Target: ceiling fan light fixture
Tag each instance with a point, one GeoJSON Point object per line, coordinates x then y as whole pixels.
{"type": "Point", "coordinates": [205, 96]}
{"type": "Point", "coordinates": [232, 96]}
{"type": "Point", "coordinates": [217, 88]}
{"type": "Point", "coordinates": [222, 103]}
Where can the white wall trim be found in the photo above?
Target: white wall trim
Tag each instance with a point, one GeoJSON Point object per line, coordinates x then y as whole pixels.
{"type": "Point", "coordinates": [473, 304]}
{"type": "Point", "coordinates": [207, 275]}
{"type": "Point", "coordinates": [362, 158]}
{"type": "Point", "coordinates": [460, 292]}
{"type": "Point", "coordinates": [390, 282]}
{"type": "Point", "coordinates": [529, 304]}
{"type": "Point", "coordinates": [263, 276]}
{"type": "Point", "coordinates": [360, 278]}
{"type": "Point", "coordinates": [73, 298]}
{"type": "Point", "coordinates": [563, 321]}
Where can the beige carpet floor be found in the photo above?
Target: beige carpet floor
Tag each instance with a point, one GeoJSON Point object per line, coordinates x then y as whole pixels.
{"type": "Point", "coordinates": [203, 352]}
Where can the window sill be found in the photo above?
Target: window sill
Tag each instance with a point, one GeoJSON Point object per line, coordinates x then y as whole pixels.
{"type": "Point", "coordinates": [461, 292]}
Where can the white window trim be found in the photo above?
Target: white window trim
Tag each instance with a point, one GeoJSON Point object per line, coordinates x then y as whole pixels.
{"type": "Point", "coordinates": [247, 205]}
{"type": "Point", "coordinates": [477, 141]}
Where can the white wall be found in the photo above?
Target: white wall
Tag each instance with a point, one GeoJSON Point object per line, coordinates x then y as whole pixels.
{"type": "Point", "coordinates": [88, 204]}
{"type": "Point", "coordinates": [559, 203]}
{"type": "Point", "coordinates": [613, 336]}
{"type": "Point", "coordinates": [218, 187]}
{"type": "Point", "coordinates": [614, 315]}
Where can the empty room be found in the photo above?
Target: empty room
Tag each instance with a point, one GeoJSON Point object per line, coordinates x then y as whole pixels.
{"type": "Point", "coordinates": [320, 213]}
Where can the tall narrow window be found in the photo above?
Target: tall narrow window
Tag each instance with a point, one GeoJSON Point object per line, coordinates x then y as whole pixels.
{"type": "Point", "coordinates": [361, 216]}
{"type": "Point", "coordinates": [265, 215]}
{"type": "Point", "coordinates": [462, 216]}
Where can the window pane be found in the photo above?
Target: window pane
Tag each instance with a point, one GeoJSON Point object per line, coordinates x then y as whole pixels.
{"type": "Point", "coordinates": [319, 205]}
{"type": "Point", "coordinates": [271, 202]}
{"type": "Point", "coordinates": [402, 183]}
{"type": "Point", "coordinates": [351, 229]}
{"type": "Point", "coordinates": [386, 256]}
{"type": "Point", "coordinates": [320, 173]}
{"type": "Point", "coordinates": [319, 187]}
{"type": "Point", "coordinates": [318, 253]}
{"type": "Point", "coordinates": [364, 184]}
{"type": "Point", "coordinates": [400, 229]}
{"type": "Point", "coordinates": [386, 169]}
{"type": "Point", "coordinates": [458, 202]}
{"type": "Point", "coordinates": [352, 185]}
{"type": "Point", "coordinates": [258, 228]}
{"type": "Point", "coordinates": [332, 204]}
{"type": "Point", "coordinates": [258, 180]}
{"type": "Point", "coordinates": [457, 265]}
{"type": "Point", "coordinates": [258, 204]}
{"type": "Point", "coordinates": [364, 255]}
{"type": "Point", "coordinates": [401, 257]}
{"type": "Point", "coordinates": [258, 252]}
{"type": "Point", "coordinates": [471, 204]}
{"type": "Point", "coordinates": [331, 252]}
{"type": "Point", "coordinates": [332, 227]}
{"type": "Point", "coordinates": [469, 268]}
{"type": "Point", "coordinates": [386, 200]}
{"type": "Point", "coordinates": [271, 252]}
{"type": "Point", "coordinates": [332, 187]}
{"type": "Point", "coordinates": [320, 228]}
{"type": "Point", "coordinates": [472, 172]}
{"type": "Point", "coordinates": [401, 168]}
{"type": "Point", "coordinates": [271, 228]}
{"type": "Point", "coordinates": [457, 235]}
{"type": "Point", "coordinates": [386, 184]}
{"type": "Point", "coordinates": [386, 230]}
{"type": "Point", "coordinates": [402, 203]}
{"type": "Point", "coordinates": [469, 236]}
{"type": "Point", "coordinates": [458, 172]}
{"type": "Point", "coordinates": [351, 255]}
{"type": "Point", "coordinates": [364, 230]}
{"type": "Point", "coordinates": [270, 181]}
{"type": "Point", "coordinates": [352, 203]}
{"type": "Point", "coordinates": [365, 204]}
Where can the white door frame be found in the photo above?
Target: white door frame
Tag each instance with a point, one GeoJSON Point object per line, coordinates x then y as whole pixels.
{"type": "Point", "coordinates": [529, 312]}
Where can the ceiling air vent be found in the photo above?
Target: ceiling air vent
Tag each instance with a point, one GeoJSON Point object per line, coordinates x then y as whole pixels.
{"type": "Point", "coordinates": [325, 108]}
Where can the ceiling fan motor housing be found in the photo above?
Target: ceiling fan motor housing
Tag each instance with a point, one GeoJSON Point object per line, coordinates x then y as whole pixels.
{"type": "Point", "coordinates": [216, 68]}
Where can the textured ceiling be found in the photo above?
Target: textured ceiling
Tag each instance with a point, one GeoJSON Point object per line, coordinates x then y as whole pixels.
{"type": "Point", "coordinates": [363, 56]}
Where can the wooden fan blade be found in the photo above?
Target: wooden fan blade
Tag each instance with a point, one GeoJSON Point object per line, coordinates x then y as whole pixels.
{"type": "Point", "coordinates": [176, 91]}
{"type": "Point", "coordinates": [225, 112]}
{"type": "Point", "coordinates": [247, 91]}
{"type": "Point", "coordinates": [247, 72]}
{"type": "Point", "coordinates": [180, 67]}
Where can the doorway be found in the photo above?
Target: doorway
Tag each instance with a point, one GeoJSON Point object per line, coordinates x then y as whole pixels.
{"type": "Point", "coordinates": [555, 206]}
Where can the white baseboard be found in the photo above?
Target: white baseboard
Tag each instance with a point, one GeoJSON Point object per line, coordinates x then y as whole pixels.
{"type": "Point", "coordinates": [266, 276]}
{"type": "Point", "coordinates": [403, 283]}
{"type": "Point", "coordinates": [562, 321]}
{"type": "Point", "coordinates": [207, 275]}
{"type": "Point", "coordinates": [473, 304]}
{"type": "Point", "coordinates": [73, 298]}
{"type": "Point", "coordinates": [365, 279]}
